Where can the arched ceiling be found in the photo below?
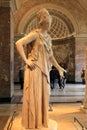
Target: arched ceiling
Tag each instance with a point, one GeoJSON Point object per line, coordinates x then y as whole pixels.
{"type": "Point", "coordinates": [83, 3]}
{"type": "Point", "coordinates": [68, 15]}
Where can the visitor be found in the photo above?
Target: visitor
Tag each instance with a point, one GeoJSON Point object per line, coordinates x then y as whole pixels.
{"type": "Point", "coordinates": [21, 77]}
{"type": "Point", "coordinates": [83, 76]}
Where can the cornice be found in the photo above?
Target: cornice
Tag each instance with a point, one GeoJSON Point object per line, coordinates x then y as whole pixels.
{"type": "Point", "coordinates": [4, 3]}
{"type": "Point", "coordinates": [82, 35]}
{"type": "Point", "coordinates": [14, 4]}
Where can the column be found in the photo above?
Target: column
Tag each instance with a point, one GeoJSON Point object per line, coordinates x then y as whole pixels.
{"type": "Point", "coordinates": [6, 51]}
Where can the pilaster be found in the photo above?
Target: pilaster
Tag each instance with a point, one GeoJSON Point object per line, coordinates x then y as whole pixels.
{"type": "Point", "coordinates": [80, 46]}
{"type": "Point", "coordinates": [6, 50]}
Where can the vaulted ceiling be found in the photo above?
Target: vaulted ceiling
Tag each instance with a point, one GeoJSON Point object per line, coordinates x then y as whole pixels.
{"type": "Point", "coordinates": [83, 3]}
{"type": "Point", "coordinates": [69, 15]}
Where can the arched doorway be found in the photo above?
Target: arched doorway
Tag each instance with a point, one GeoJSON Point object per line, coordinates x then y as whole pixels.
{"type": "Point", "coordinates": [61, 31]}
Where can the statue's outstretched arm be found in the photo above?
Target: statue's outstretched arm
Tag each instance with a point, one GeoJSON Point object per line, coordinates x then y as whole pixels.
{"type": "Point", "coordinates": [58, 67]}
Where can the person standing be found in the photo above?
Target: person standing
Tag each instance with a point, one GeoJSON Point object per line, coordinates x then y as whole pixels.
{"type": "Point", "coordinates": [83, 76]}
{"type": "Point", "coordinates": [21, 77]}
{"type": "Point", "coordinates": [53, 77]}
{"type": "Point", "coordinates": [64, 79]}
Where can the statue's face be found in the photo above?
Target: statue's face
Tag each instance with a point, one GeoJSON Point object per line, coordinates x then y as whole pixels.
{"type": "Point", "coordinates": [46, 24]}
{"type": "Point", "coordinates": [44, 19]}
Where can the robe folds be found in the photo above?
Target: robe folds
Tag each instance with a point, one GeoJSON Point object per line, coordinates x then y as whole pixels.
{"type": "Point", "coordinates": [36, 86]}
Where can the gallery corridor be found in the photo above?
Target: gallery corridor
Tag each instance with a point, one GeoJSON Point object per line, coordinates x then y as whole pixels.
{"type": "Point", "coordinates": [65, 105]}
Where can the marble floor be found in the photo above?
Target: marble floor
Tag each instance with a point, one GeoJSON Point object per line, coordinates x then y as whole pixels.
{"type": "Point", "coordinates": [65, 104]}
{"type": "Point", "coordinates": [71, 93]}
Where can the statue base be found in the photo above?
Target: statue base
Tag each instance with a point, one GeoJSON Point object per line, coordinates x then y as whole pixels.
{"type": "Point", "coordinates": [15, 124]}
{"type": "Point", "coordinates": [52, 125]}
{"type": "Point", "coordinates": [84, 109]}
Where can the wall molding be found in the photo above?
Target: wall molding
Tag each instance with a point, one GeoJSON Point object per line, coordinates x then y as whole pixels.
{"type": "Point", "coordinates": [4, 3]}
{"type": "Point", "coordinates": [14, 4]}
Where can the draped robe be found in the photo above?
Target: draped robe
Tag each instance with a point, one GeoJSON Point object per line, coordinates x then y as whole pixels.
{"type": "Point", "coordinates": [36, 85]}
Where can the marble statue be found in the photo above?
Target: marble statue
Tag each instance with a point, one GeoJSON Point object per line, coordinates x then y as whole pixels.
{"type": "Point", "coordinates": [36, 77]}
{"type": "Point", "coordinates": [85, 98]}
{"type": "Point", "coordinates": [84, 106]}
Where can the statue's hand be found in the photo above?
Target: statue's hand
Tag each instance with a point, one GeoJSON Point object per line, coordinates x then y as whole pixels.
{"type": "Point", "coordinates": [30, 64]}
{"type": "Point", "coordinates": [61, 72]}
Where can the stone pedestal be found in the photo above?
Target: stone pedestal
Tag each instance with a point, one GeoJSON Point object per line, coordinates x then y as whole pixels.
{"type": "Point", "coordinates": [84, 109]}
{"type": "Point", "coordinates": [16, 123]}
{"type": "Point", "coordinates": [52, 125]}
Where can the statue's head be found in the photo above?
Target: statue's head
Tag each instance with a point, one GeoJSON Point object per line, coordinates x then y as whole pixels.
{"type": "Point", "coordinates": [44, 16]}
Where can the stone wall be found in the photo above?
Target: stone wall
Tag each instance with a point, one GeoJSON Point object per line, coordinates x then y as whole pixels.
{"type": "Point", "coordinates": [7, 49]}
{"type": "Point", "coordinates": [80, 46]}
{"type": "Point", "coordinates": [64, 52]}
{"type": "Point", "coordinates": [4, 51]}
{"type": "Point", "coordinates": [18, 62]}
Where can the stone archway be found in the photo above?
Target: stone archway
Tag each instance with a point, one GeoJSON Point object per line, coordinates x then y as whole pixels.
{"type": "Point", "coordinates": [29, 21]}
{"type": "Point", "coordinates": [63, 24]}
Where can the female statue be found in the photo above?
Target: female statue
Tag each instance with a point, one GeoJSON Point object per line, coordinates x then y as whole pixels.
{"type": "Point", "coordinates": [36, 77]}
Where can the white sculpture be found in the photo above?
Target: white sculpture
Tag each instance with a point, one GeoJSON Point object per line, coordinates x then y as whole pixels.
{"type": "Point", "coordinates": [85, 98]}
{"type": "Point", "coordinates": [36, 79]}
{"type": "Point", "coordinates": [84, 106]}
